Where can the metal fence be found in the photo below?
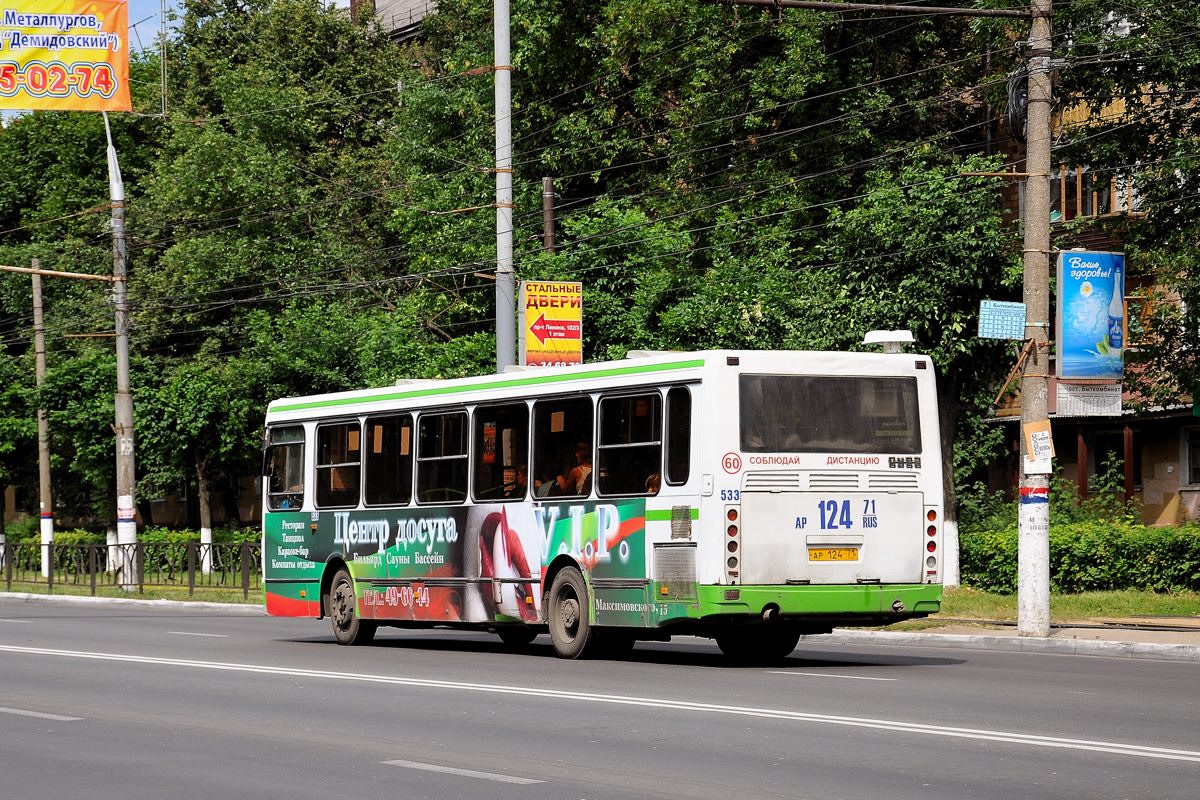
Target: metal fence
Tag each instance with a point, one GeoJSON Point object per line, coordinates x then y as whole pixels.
{"type": "Point", "coordinates": [133, 567]}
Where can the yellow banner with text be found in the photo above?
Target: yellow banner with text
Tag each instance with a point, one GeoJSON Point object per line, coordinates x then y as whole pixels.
{"type": "Point", "coordinates": [64, 55]}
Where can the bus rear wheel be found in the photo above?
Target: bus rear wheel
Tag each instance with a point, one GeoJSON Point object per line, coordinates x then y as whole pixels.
{"type": "Point", "coordinates": [758, 645]}
{"type": "Point", "coordinates": [342, 606]}
{"type": "Point", "coordinates": [517, 637]}
{"type": "Point", "coordinates": [567, 615]}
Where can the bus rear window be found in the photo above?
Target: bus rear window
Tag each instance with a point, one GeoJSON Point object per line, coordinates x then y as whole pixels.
{"type": "Point", "coordinates": [826, 414]}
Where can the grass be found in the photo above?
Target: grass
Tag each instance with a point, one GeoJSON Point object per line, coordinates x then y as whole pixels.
{"type": "Point", "coordinates": [966, 603]}
{"type": "Point", "coordinates": [207, 595]}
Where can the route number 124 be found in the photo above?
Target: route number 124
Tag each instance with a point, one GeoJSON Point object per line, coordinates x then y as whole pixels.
{"type": "Point", "coordinates": [835, 514]}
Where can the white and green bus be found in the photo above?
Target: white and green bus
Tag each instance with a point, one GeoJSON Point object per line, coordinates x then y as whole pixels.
{"type": "Point", "coordinates": [747, 496]}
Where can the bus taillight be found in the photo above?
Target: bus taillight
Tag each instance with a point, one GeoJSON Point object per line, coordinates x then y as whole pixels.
{"type": "Point", "coordinates": [931, 514]}
{"type": "Point", "coordinates": [931, 545]}
{"type": "Point", "coordinates": [931, 530]}
{"type": "Point", "coordinates": [732, 544]}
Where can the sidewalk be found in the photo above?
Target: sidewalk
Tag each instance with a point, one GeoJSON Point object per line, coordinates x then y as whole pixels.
{"type": "Point", "coordinates": [1162, 638]}
{"type": "Point", "coordinates": [1168, 638]}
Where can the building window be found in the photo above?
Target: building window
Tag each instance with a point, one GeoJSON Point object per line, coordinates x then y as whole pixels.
{"type": "Point", "coordinates": [1193, 457]}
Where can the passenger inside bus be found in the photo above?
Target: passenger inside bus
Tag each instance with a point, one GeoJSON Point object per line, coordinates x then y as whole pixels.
{"type": "Point", "coordinates": [578, 480]}
{"type": "Point", "coordinates": [519, 486]}
{"type": "Point", "coordinates": [547, 484]}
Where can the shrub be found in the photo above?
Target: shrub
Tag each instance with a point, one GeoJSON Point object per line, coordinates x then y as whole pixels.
{"type": "Point", "coordinates": [1090, 556]}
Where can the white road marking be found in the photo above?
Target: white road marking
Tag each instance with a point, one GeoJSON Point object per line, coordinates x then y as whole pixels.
{"type": "Point", "coordinates": [829, 675]}
{"type": "Point", "coordinates": [17, 621]}
{"type": "Point", "coordinates": [189, 633]}
{"type": "Point", "coordinates": [466, 773]}
{"type": "Point", "coordinates": [1031, 740]}
{"type": "Point", "coordinates": [21, 712]}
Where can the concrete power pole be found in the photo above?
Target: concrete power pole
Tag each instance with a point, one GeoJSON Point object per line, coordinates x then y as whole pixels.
{"type": "Point", "coordinates": [45, 504]}
{"type": "Point", "coordinates": [1033, 544]}
{"type": "Point", "coordinates": [126, 505]}
{"type": "Point", "coordinates": [548, 215]}
{"type": "Point", "coordinates": [506, 304]}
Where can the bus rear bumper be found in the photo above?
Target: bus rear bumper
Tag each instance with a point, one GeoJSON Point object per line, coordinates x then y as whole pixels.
{"type": "Point", "coordinates": [821, 605]}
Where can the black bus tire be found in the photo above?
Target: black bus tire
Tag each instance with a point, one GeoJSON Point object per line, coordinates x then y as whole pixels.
{"type": "Point", "coordinates": [342, 607]}
{"type": "Point", "coordinates": [758, 645]}
{"type": "Point", "coordinates": [516, 636]}
{"type": "Point", "coordinates": [567, 615]}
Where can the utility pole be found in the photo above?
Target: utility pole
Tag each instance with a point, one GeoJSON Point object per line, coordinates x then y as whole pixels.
{"type": "Point", "coordinates": [45, 506]}
{"type": "Point", "coordinates": [126, 514]}
{"type": "Point", "coordinates": [1033, 542]}
{"type": "Point", "coordinates": [506, 304]}
{"type": "Point", "coordinates": [548, 215]}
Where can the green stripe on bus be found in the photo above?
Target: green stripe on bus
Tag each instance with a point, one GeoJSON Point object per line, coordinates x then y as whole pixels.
{"type": "Point", "coordinates": [506, 383]}
{"type": "Point", "coordinates": [664, 514]}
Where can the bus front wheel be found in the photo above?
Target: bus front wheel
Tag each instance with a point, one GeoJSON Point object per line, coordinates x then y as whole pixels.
{"type": "Point", "coordinates": [342, 605]}
{"type": "Point", "coordinates": [570, 630]}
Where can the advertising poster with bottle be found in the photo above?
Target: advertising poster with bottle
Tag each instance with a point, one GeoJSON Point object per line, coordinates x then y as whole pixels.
{"type": "Point", "coordinates": [1091, 314]}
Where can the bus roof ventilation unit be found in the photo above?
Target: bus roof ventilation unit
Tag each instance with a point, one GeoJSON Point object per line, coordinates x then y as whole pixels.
{"type": "Point", "coordinates": [891, 341]}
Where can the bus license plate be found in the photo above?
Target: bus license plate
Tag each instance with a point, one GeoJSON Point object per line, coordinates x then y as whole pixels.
{"type": "Point", "coordinates": [833, 554]}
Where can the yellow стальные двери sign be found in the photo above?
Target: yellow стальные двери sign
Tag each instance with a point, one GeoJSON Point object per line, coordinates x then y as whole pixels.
{"type": "Point", "coordinates": [552, 314]}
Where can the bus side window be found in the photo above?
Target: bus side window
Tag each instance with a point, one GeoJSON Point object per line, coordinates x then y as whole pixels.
{"type": "Point", "coordinates": [442, 458]}
{"type": "Point", "coordinates": [283, 467]}
{"type": "Point", "coordinates": [338, 460]}
{"type": "Point", "coordinates": [500, 451]}
{"type": "Point", "coordinates": [629, 458]}
{"type": "Point", "coordinates": [679, 435]}
{"type": "Point", "coordinates": [388, 462]}
{"type": "Point", "coordinates": [562, 447]}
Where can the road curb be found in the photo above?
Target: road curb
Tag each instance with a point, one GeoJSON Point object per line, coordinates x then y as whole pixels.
{"type": "Point", "coordinates": [1017, 644]}
{"type": "Point", "coordinates": [181, 605]}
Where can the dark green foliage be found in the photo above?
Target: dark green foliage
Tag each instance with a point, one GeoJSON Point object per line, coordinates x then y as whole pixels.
{"type": "Point", "coordinates": [1090, 556]}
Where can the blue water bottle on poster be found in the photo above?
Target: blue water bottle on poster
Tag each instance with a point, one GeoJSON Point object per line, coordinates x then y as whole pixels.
{"type": "Point", "coordinates": [1116, 313]}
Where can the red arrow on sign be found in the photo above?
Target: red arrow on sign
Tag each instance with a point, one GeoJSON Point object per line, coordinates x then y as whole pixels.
{"type": "Point", "coordinates": [545, 329]}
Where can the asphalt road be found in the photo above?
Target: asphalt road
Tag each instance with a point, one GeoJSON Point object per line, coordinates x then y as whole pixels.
{"type": "Point", "coordinates": [127, 702]}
